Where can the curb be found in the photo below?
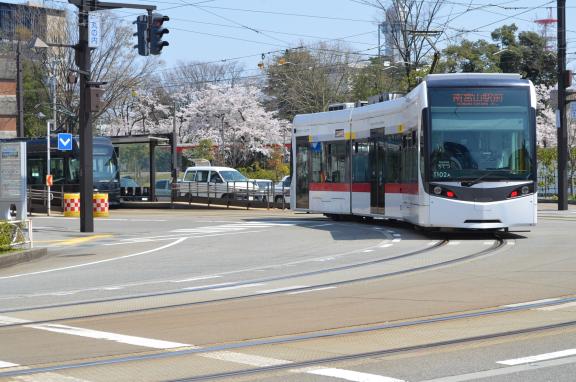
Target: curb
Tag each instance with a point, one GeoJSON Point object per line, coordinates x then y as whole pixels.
{"type": "Point", "coordinates": [23, 256]}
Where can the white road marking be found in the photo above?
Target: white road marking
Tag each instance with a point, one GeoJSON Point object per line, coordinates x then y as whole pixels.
{"type": "Point", "coordinates": [396, 240]}
{"type": "Point", "coordinates": [530, 302]}
{"type": "Point", "coordinates": [47, 377]}
{"type": "Point", "coordinates": [239, 287]}
{"type": "Point", "coordinates": [511, 242]}
{"type": "Point", "coordinates": [312, 290]}
{"type": "Point", "coordinates": [501, 371]}
{"type": "Point", "coordinates": [102, 219]}
{"type": "Point", "coordinates": [5, 320]}
{"type": "Point", "coordinates": [488, 243]}
{"type": "Point", "coordinates": [99, 335]}
{"type": "Point", "coordinates": [368, 250]}
{"type": "Point", "coordinates": [350, 375]}
{"type": "Point", "coordinates": [432, 243]}
{"type": "Point", "coordinates": [386, 245]}
{"type": "Point", "coordinates": [182, 236]}
{"type": "Point", "coordinates": [454, 243]}
{"type": "Point", "coordinates": [539, 357]}
{"type": "Point", "coordinates": [557, 307]}
{"type": "Point", "coordinates": [96, 334]}
{"type": "Point", "coordinates": [319, 260]}
{"type": "Point", "coordinates": [96, 262]}
{"type": "Point", "coordinates": [245, 359]}
{"type": "Point", "coordinates": [195, 279]}
{"type": "Point", "coordinates": [228, 356]}
{"type": "Point", "coordinates": [282, 289]}
{"type": "Point", "coordinates": [206, 286]}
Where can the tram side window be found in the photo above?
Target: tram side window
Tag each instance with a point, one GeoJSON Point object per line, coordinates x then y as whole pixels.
{"type": "Point", "coordinates": [57, 170]}
{"type": "Point", "coordinates": [361, 162]}
{"type": "Point", "coordinates": [409, 158]}
{"type": "Point", "coordinates": [36, 171]}
{"type": "Point", "coordinates": [335, 156]}
{"type": "Point", "coordinates": [393, 158]}
{"type": "Point", "coordinates": [74, 170]}
{"type": "Point", "coordinates": [316, 160]}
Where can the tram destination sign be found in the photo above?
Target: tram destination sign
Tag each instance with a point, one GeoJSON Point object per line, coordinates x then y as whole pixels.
{"type": "Point", "coordinates": [478, 97]}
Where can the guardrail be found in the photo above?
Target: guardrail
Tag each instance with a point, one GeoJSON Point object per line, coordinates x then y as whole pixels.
{"type": "Point", "coordinates": [243, 193]}
{"type": "Point", "coordinates": [20, 233]}
{"type": "Point", "coordinates": [38, 197]}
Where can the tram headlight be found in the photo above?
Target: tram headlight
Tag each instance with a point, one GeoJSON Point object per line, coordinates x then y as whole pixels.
{"type": "Point", "coordinates": [437, 190]}
{"type": "Point", "coordinates": [525, 190]}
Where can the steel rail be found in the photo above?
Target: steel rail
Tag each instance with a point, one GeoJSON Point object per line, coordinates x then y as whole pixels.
{"type": "Point", "coordinates": [500, 244]}
{"type": "Point", "coordinates": [121, 359]}
{"type": "Point", "coordinates": [235, 284]}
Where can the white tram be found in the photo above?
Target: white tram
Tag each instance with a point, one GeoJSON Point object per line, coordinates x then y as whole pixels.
{"type": "Point", "coordinates": [458, 151]}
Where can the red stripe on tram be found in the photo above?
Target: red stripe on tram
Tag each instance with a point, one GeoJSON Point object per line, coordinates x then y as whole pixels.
{"type": "Point", "coordinates": [390, 188]}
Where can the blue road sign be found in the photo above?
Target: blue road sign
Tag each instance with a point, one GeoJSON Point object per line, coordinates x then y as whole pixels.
{"type": "Point", "coordinates": [64, 141]}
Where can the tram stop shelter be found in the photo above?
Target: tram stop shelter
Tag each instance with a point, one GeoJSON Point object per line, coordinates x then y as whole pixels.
{"type": "Point", "coordinates": [153, 141]}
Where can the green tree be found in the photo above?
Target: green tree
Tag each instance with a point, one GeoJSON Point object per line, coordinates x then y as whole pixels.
{"type": "Point", "coordinates": [376, 78]}
{"type": "Point", "coordinates": [509, 52]}
{"type": "Point", "coordinates": [204, 150]}
{"type": "Point", "coordinates": [36, 100]}
{"type": "Point", "coordinates": [307, 80]}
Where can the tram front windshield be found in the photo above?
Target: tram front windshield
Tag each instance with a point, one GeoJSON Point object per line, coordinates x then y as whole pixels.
{"type": "Point", "coordinates": [104, 163]}
{"type": "Point", "coordinates": [480, 133]}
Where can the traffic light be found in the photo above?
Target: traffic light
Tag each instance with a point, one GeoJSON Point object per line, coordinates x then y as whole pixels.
{"type": "Point", "coordinates": [142, 33]}
{"type": "Point", "coordinates": [156, 33]}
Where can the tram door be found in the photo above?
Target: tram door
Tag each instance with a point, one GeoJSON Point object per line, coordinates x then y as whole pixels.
{"type": "Point", "coordinates": [302, 172]}
{"type": "Point", "coordinates": [378, 168]}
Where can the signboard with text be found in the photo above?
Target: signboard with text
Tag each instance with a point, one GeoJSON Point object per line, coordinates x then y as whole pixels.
{"type": "Point", "coordinates": [94, 29]}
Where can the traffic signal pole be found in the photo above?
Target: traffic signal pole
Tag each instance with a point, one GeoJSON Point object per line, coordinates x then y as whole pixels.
{"type": "Point", "coordinates": [563, 128]}
{"type": "Point", "coordinates": [85, 118]}
{"type": "Point", "coordinates": [85, 112]}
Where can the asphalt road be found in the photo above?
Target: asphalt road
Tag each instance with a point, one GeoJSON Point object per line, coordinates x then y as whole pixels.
{"type": "Point", "coordinates": [276, 296]}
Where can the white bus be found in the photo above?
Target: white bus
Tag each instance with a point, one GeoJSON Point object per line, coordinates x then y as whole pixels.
{"type": "Point", "coordinates": [458, 151]}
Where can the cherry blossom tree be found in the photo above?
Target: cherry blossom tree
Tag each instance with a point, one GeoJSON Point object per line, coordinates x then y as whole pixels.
{"type": "Point", "coordinates": [235, 119]}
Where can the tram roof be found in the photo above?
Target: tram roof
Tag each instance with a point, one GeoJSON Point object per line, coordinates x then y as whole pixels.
{"type": "Point", "coordinates": [431, 80]}
{"type": "Point", "coordinates": [475, 79]}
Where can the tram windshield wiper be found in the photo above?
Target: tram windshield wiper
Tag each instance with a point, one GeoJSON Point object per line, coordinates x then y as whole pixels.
{"type": "Point", "coordinates": [470, 183]}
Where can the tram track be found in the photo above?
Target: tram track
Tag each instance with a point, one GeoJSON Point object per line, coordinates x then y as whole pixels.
{"type": "Point", "coordinates": [316, 335]}
{"type": "Point", "coordinates": [499, 244]}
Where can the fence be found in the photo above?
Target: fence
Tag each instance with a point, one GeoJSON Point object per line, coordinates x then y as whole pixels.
{"type": "Point", "coordinates": [243, 193]}
{"type": "Point", "coordinates": [548, 183]}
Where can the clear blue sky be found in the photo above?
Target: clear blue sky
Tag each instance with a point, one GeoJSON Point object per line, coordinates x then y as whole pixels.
{"type": "Point", "coordinates": [209, 30]}
{"type": "Point", "coordinates": [221, 29]}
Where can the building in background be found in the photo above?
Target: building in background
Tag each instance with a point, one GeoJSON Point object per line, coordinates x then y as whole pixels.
{"type": "Point", "coordinates": [21, 23]}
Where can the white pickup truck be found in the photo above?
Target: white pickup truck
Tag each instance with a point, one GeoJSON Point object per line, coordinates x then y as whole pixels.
{"type": "Point", "coordinates": [282, 190]}
{"type": "Point", "coordinates": [216, 182]}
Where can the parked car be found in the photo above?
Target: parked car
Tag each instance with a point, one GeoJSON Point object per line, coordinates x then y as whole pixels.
{"type": "Point", "coordinates": [264, 189]}
{"type": "Point", "coordinates": [216, 182]}
{"type": "Point", "coordinates": [163, 189]}
{"type": "Point", "coordinates": [131, 190]}
{"type": "Point", "coordinates": [282, 190]}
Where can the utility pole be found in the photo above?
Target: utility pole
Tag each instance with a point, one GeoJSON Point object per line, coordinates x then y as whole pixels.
{"type": "Point", "coordinates": [563, 128]}
{"type": "Point", "coordinates": [87, 92]}
{"type": "Point", "coordinates": [19, 92]}
{"type": "Point", "coordinates": [85, 119]}
{"type": "Point", "coordinates": [174, 157]}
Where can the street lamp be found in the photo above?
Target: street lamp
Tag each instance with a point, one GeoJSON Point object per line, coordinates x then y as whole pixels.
{"type": "Point", "coordinates": [37, 45]}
